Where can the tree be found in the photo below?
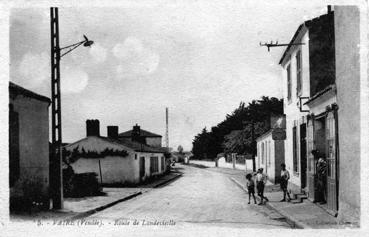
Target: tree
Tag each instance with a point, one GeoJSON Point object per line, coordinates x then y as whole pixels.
{"type": "Point", "coordinates": [233, 134]}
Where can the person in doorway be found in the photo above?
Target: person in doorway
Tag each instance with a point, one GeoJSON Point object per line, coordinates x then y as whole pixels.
{"type": "Point", "coordinates": [260, 184]}
{"type": "Point", "coordinates": [285, 176]}
{"type": "Point", "coordinates": [250, 184]}
{"type": "Point", "coordinates": [322, 179]}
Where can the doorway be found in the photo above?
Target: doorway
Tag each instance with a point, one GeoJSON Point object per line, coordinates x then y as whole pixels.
{"type": "Point", "coordinates": [331, 136]}
{"type": "Point", "coordinates": [320, 144]}
{"type": "Point", "coordinates": [303, 160]}
{"type": "Point", "coordinates": [142, 168]}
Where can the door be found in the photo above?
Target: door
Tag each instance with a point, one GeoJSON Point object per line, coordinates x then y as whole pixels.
{"type": "Point", "coordinates": [331, 162]}
{"type": "Point", "coordinates": [142, 167]}
{"type": "Point", "coordinates": [14, 163]}
{"type": "Point", "coordinates": [303, 154]}
{"type": "Point", "coordinates": [310, 159]}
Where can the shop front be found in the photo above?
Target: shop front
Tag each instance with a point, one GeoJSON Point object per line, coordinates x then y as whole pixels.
{"type": "Point", "coordinates": [322, 147]}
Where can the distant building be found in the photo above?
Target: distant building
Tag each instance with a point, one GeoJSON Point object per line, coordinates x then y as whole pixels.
{"type": "Point", "coordinates": [121, 161]}
{"type": "Point", "coordinates": [181, 157]}
{"type": "Point", "coordinates": [270, 149]}
{"type": "Point", "coordinates": [145, 137]}
{"type": "Point", "coordinates": [28, 148]}
{"type": "Point", "coordinates": [308, 71]}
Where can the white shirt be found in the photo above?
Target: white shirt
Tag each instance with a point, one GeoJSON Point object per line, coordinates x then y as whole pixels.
{"type": "Point", "coordinates": [285, 174]}
{"type": "Point", "coordinates": [261, 178]}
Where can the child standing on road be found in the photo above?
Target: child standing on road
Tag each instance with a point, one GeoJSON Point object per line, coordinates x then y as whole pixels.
{"type": "Point", "coordinates": [250, 184]}
{"type": "Point", "coordinates": [261, 180]}
{"type": "Point", "coordinates": [285, 176]}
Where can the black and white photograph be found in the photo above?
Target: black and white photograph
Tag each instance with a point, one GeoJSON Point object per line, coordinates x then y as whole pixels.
{"type": "Point", "coordinates": [184, 118]}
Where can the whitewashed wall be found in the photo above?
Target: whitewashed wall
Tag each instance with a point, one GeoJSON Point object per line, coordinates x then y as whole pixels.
{"type": "Point", "coordinates": [291, 108]}
{"type": "Point", "coordinates": [114, 169]}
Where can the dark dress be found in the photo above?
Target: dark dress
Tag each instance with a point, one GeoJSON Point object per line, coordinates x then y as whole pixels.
{"type": "Point", "coordinates": [251, 187]}
{"type": "Point", "coordinates": [283, 184]}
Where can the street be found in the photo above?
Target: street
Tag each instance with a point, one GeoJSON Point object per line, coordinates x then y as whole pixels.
{"type": "Point", "coordinates": [199, 197]}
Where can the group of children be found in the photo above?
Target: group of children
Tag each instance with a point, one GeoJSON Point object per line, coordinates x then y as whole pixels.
{"type": "Point", "coordinates": [260, 178]}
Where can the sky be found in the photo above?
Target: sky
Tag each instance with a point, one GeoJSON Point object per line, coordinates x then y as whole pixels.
{"type": "Point", "coordinates": [200, 59]}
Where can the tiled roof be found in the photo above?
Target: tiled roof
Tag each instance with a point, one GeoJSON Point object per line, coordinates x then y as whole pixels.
{"type": "Point", "coordinates": [143, 133]}
{"type": "Point", "coordinates": [15, 90]}
{"type": "Point", "coordinates": [99, 144]}
{"type": "Point", "coordinates": [96, 144]}
{"type": "Point", "coordinates": [141, 147]}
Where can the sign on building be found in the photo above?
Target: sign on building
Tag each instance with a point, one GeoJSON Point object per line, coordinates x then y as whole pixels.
{"type": "Point", "coordinates": [279, 134]}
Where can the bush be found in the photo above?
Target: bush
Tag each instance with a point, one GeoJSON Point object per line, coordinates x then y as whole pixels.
{"type": "Point", "coordinates": [27, 195]}
{"type": "Point", "coordinates": [85, 184]}
{"type": "Point", "coordinates": [80, 185]}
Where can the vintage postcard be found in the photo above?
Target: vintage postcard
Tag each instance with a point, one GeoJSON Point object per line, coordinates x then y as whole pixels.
{"type": "Point", "coordinates": [184, 118]}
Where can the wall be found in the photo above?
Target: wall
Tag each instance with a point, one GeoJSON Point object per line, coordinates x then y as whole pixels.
{"type": "Point", "coordinates": [279, 158]}
{"type": "Point", "coordinates": [33, 144]}
{"type": "Point", "coordinates": [322, 55]}
{"type": "Point", "coordinates": [347, 32]}
{"type": "Point", "coordinates": [114, 169]}
{"type": "Point", "coordinates": [147, 163]}
{"type": "Point", "coordinates": [119, 170]}
{"type": "Point", "coordinates": [153, 141]}
{"type": "Point", "coordinates": [291, 108]}
{"type": "Point", "coordinates": [273, 156]}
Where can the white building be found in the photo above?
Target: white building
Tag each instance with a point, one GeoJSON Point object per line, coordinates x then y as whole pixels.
{"type": "Point", "coordinates": [270, 149]}
{"type": "Point", "coordinates": [270, 156]}
{"type": "Point", "coordinates": [308, 69]}
{"type": "Point", "coordinates": [146, 137]}
{"type": "Point", "coordinates": [115, 161]}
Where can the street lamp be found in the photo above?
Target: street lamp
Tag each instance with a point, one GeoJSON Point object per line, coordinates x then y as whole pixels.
{"type": "Point", "coordinates": [55, 173]}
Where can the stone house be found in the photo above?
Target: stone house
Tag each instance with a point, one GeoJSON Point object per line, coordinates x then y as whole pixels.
{"type": "Point", "coordinates": [116, 161]}
{"type": "Point", "coordinates": [28, 148]}
{"type": "Point", "coordinates": [270, 149]}
{"type": "Point", "coordinates": [145, 137]}
{"type": "Point", "coordinates": [329, 116]}
{"type": "Point", "coordinates": [308, 69]}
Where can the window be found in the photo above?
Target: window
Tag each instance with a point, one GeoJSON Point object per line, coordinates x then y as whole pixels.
{"type": "Point", "coordinates": [262, 152]}
{"type": "Point", "coordinates": [162, 163]}
{"type": "Point", "coordinates": [310, 146]}
{"type": "Point", "coordinates": [331, 136]}
{"type": "Point", "coordinates": [289, 85]}
{"type": "Point", "coordinates": [154, 165]}
{"type": "Point", "coordinates": [298, 73]}
{"type": "Point", "coordinates": [269, 148]}
{"type": "Point", "coordinates": [266, 152]}
{"type": "Point", "coordinates": [295, 157]}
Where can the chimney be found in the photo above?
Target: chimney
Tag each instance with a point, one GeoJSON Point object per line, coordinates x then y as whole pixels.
{"type": "Point", "coordinates": [112, 131]}
{"type": "Point", "coordinates": [136, 134]}
{"type": "Point", "coordinates": [329, 7]}
{"type": "Point", "coordinates": [92, 127]}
